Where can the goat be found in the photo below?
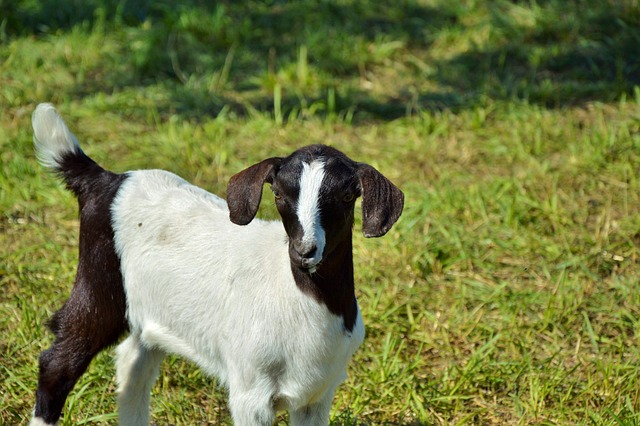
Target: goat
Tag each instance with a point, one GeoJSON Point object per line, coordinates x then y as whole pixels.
{"type": "Point", "coordinates": [268, 308]}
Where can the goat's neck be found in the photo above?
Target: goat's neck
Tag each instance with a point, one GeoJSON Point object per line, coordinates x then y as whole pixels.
{"type": "Point", "coordinates": [332, 284]}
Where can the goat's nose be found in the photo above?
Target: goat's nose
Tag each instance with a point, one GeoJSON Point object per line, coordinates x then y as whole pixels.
{"type": "Point", "coordinates": [306, 251]}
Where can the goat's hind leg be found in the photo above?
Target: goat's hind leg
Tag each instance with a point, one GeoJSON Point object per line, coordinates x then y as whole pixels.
{"type": "Point", "coordinates": [60, 368]}
{"type": "Point", "coordinates": [137, 368]}
{"type": "Point", "coordinates": [82, 330]}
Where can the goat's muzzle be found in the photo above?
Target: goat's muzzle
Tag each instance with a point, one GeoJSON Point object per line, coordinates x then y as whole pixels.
{"type": "Point", "coordinates": [305, 256]}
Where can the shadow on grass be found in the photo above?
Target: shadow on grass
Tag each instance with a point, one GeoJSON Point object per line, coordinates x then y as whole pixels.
{"type": "Point", "coordinates": [573, 52]}
{"type": "Point", "coordinates": [561, 53]}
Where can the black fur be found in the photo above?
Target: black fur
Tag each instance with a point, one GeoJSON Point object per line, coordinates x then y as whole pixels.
{"type": "Point", "coordinates": [94, 316]}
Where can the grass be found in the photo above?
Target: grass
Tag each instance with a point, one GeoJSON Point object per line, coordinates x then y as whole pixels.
{"type": "Point", "coordinates": [508, 291]}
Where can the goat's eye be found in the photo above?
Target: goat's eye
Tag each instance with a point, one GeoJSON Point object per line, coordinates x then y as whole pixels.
{"type": "Point", "coordinates": [348, 198]}
{"type": "Point", "coordinates": [277, 195]}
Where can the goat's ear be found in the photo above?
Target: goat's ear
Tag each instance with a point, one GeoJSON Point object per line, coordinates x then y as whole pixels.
{"type": "Point", "coordinates": [382, 202]}
{"type": "Point", "coordinates": [244, 191]}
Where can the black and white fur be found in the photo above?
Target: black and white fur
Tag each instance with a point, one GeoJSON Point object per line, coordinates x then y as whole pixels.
{"type": "Point", "coordinates": [270, 310]}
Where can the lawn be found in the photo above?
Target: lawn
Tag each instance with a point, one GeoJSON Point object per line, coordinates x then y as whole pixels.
{"type": "Point", "coordinates": [508, 292]}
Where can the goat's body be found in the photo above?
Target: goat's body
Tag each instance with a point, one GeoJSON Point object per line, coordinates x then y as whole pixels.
{"type": "Point", "coordinates": [185, 296]}
{"type": "Point", "coordinates": [268, 308]}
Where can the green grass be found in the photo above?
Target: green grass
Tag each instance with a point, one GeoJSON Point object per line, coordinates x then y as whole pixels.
{"type": "Point", "coordinates": [508, 291]}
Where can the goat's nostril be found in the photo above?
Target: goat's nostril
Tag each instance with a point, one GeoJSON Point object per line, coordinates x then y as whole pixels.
{"type": "Point", "coordinates": [311, 253]}
{"type": "Point", "coordinates": [307, 252]}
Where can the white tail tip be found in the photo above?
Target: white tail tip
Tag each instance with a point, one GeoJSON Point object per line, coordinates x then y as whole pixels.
{"type": "Point", "coordinates": [51, 136]}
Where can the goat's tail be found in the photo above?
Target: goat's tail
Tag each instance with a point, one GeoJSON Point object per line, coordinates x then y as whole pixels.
{"type": "Point", "coordinates": [57, 148]}
{"type": "Point", "coordinates": [52, 138]}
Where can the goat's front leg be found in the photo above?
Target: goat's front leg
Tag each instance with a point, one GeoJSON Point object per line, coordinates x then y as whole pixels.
{"type": "Point", "coordinates": [137, 369]}
{"type": "Point", "coordinates": [251, 407]}
{"type": "Point", "coordinates": [313, 415]}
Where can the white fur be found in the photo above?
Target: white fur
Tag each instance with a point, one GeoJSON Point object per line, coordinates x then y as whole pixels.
{"type": "Point", "coordinates": [308, 211]}
{"type": "Point", "coordinates": [38, 421]}
{"type": "Point", "coordinates": [51, 136]}
{"type": "Point", "coordinates": [137, 368]}
{"type": "Point", "coordinates": [224, 297]}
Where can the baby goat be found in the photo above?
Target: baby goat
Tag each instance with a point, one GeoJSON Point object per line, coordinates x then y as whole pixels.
{"type": "Point", "coordinates": [268, 308]}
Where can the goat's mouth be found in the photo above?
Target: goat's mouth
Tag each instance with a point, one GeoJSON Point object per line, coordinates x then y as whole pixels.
{"type": "Point", "coordinates": [308, 265]}
{"type": "Point", "coordinates": [307, 259]}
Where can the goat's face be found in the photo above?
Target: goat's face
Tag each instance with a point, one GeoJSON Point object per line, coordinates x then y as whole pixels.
{"type": "Point", "coordinates": [315, 190]}
{"type": "Point", "coordinates": [315, 195]}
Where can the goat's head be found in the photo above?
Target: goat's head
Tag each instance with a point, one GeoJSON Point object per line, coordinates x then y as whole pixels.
{"type": "Point", "coordinates": [315, 190]}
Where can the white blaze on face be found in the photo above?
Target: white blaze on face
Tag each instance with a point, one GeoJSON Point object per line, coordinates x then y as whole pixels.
{"type": "Point", "coordinates": [308, 209]}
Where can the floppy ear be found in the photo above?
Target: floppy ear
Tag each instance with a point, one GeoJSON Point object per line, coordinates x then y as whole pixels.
{"type": "Point", "coordinates": [382, 202]}
{"type": "Point", "coordinates": [245, 190]}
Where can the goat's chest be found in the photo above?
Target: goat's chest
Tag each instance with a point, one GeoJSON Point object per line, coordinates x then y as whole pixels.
{"type": "Point", "coordinates": [313, 357]}
{"type": "Point", "coordinates": [301, 334]}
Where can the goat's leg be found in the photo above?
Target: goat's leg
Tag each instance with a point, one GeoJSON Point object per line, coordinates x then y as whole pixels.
{"type": "Point", "coordinates": [313, 415]}
{"type": "Point", "coordinates": [251, 408]}
{"type": "Point", "coordinates": [137, 369]}
{"type": "Point", "coordinates": [60, 368]}
{"type": "Point", "coordinates": [82, 329]}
